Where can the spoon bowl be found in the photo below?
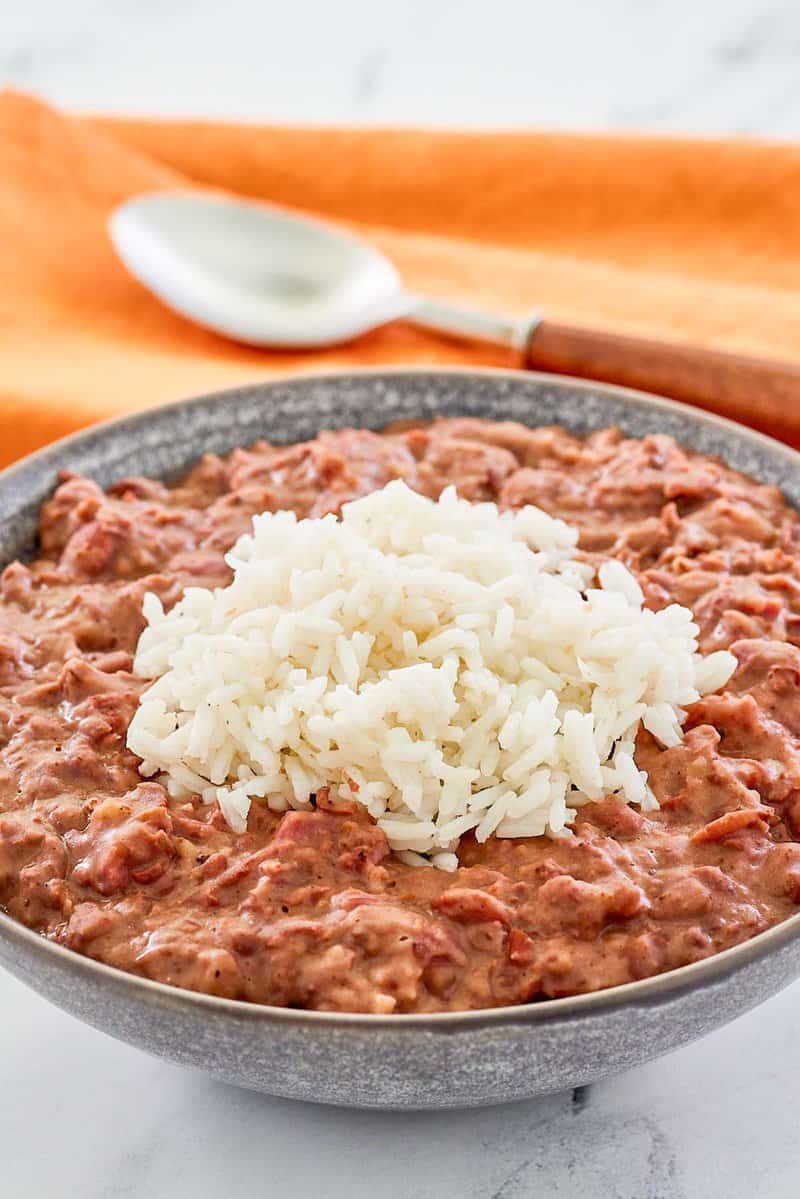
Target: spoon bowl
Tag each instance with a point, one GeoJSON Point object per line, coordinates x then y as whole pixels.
{"type": "Point", "coordinates": [256, 273]}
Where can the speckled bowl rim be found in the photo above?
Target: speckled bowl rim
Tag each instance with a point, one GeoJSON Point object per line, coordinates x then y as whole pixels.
{"type": "Point", "coordinates": [642, 993]}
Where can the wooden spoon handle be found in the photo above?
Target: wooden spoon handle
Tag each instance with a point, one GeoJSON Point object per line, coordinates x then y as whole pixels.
{"type": "Point", "coordinates": [761, 392]}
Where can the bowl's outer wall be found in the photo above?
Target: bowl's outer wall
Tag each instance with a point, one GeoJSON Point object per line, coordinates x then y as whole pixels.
{"type": "Point", "coordinates": [430, 1064]}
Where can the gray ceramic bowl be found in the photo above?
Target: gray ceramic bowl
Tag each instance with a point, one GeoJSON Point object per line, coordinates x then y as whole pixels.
{"type": "Point", "coordinates": [464, 1059]}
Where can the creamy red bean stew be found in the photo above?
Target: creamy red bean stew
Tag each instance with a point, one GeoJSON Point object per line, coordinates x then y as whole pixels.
{"type": "Point", "coordinates": [309, 909]}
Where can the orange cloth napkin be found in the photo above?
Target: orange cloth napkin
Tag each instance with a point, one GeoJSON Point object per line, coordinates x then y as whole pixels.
{"type": "Point", "coordinates": [686, 239]}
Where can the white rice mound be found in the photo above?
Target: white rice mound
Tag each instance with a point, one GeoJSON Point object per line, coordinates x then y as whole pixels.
{"type": "Point", "coordinates": [445, 664]}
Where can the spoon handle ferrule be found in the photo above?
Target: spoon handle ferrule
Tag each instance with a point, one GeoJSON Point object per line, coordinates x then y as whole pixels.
{"type": "Point", "coordinates": [472, 324]}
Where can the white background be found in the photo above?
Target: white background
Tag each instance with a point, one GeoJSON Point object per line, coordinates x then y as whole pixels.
{"type": "Point", "coordinates": [683, 65]}
{"type": "Point", "coordinates": [81, 1115]}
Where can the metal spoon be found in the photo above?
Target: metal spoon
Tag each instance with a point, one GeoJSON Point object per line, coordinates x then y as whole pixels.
{"type": "Point", "coordinates": [266, 277]}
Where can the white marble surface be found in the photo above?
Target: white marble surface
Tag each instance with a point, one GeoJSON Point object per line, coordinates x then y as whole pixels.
{"type": "Point", "coordinates": [85, 1116]}
{"type": "Point", "coordinates": [686, 65]}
